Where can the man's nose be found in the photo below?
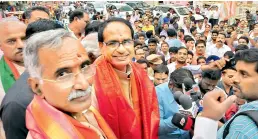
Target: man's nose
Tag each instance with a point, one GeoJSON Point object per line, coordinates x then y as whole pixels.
{"type": "Point", "coordinates": [20, 44]}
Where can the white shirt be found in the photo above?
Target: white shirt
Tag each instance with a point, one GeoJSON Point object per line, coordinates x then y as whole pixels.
{"type": "Point", "coordinates": [213, 50]}
{"type": "Point", "coordinates": [205, 128]}
{"type": "Point", "coordinates": [171, 67]}
{"type": "Point", "coordinates": [209, 44]}
{"type": "Point", "coordinates": [167, 56]}
{"type": "Point", "coordinates": [215, 14]}
{"type": "Point", "coordinates": [1, 53]}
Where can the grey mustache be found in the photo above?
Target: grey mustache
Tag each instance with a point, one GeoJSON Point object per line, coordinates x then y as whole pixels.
{"type": "Point", "coordinates": [78, 93]}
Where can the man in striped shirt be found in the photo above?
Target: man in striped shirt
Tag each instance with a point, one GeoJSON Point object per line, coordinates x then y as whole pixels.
{"type": "Point", "coordinates": [242, 127]}
{"type": "Point", "coordinates": [246, 80]}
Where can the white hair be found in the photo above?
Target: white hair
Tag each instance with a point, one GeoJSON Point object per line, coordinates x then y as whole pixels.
{"type": "Point", "coordinates": [91, 44]}
{"type": "Point", "coordinates": [48, 39]}
{"type": "Point", "coordinates": [9, 19]}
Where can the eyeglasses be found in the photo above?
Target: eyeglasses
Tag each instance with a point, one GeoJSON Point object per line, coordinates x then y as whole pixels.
{"type": "Point", "coordinates": [67, 80]}
{"type": "Point", "coordinates": [115, 44]}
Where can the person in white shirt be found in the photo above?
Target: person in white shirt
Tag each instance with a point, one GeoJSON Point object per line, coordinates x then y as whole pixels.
{"type": "Point", "coordinates": [216, 14]}
{"type": "Point", "coordinates": [214, 35]}
{"type": "Point", "coordinates": [219, 48]}
{"type": "Point", "coordinates": [164, 50]}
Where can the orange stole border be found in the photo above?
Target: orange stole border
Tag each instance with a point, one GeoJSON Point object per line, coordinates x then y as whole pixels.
{"type": "Point", "coordinates": [13, 68]}
{"type": "Point", "coordinates": [47, 123]}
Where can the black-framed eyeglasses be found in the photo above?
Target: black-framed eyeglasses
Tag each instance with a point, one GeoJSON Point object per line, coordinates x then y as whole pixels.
{"type": "Point", "coordinates": [115, 44]}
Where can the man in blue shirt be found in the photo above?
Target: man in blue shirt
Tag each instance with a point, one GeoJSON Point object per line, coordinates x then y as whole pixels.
{"type": "Point", "coordinates": [168, 106]}
{"type": "Point", "coordinates": [172, 39]}
{"type": "Point", "coordinates": [246, 80]}
{"type": "Point", "coordinates": [167, 18]}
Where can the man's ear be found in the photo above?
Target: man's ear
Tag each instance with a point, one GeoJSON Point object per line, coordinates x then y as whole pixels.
{"type": "Point", "coordinates": [34, 85]}
{"type": "Point", "coordinates": [26, 21]}
{"type": "Point", "coordinates": [101, 47]}
{"type": "Point", "coordinates": [75, 19]}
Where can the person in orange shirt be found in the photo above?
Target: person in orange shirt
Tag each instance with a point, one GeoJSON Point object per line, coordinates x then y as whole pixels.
{"type": "Point", "coordinates": [59, 77]}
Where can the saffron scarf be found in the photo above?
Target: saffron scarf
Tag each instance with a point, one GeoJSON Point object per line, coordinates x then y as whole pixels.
{"type": "Point", "coordinates": [142, 120]}
{"type": "Point", "coordinates": [44, 121]}
{"type": "Point", "coordinates": [8, 73]}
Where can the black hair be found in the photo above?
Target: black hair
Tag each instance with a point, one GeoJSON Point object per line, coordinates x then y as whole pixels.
{"type": "Point", "coordinates": [177, 77]}
{"type": "Point", "coordinates": [141, 35]}
{"type": "Point", "coordinates": [211, 74]}
{"type": "Point", "coordinates": [245, 38]}
{"type": "Point", "coordinates": [141, 61]}
{"type": "Point", "coordinates": [222, 34]}
{"type": "Point", "coordinates": [153, 40]}
{"type": "Point", "coordinates": [182, 48]}
{"type": "Point", "coordinates": [27, 13]}
{"type": "Point", "coordinates": [76, 13]}
{"type": "Point", "coordinates": [189, 39]}
{"type": "Point", "coordinates": [241, 47]}
{"type": "Point", "coordinates": [136, 42]}
{"type": "Point", "coordinates": [248, 56]}
{"type": "Point", "coordinates": [161, 69]}
{"type": "Point", "coordinates": [92, 27]}
{"type": "Point", "coordinates": [192, 29]}
{"type": "Point", "coordinates": [173, 50]}
{"type": "Point", "coordinates": [162, 36]}
{"type": "Point", "coordinates": [215, 31]}
{"type": "Point", "coordinates": [155, 18]}
{"type": "Point", "coordinates": [187, 36]}
{"type": "Point", "coordinates": [230, 54]}
{"type": "Point", "coordinates": [171, 33]}
{"type": "Point", "coordinates": [182, 30]}
{"type": "Point", "coordinates": [172, 20]}
{"type": "Point", "coordinates": [201, 57]}
{"type": "Point", "coordinates": [190, 53]}
{"type": "Point", "coordinates": [40, 26]}
{"type": "Point", "coordinates": [110, 20]}
{"type": "Point", "coordinates": [200, 41]}
{"type": "Point", "coordinates": [149, 34]}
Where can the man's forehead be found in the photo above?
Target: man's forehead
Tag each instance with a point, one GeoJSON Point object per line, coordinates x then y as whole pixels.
{"type": "Point", "coordinates": [247, 67]}
{"type": "Point", "coordinates": [116, 29]}
{"type": "Point", "coordinates": [11, 29]}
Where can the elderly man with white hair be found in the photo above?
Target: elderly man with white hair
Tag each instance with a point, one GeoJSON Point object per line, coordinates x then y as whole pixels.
{"type": "Point", "coordinates": [59, 77]}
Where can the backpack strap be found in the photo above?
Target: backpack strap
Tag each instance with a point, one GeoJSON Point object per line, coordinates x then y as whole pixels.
{"type": "Point", "coordinates": [252, 114]}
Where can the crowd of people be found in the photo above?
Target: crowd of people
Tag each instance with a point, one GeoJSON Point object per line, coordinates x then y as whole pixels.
{"type": "Point", "coordinates": [120, 78]}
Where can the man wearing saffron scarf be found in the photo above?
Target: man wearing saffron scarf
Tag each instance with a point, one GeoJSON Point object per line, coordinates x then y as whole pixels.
{"type": "Point", "coordinates": [12, 33]}
{"type": "Point", "coordinates": [59, 70]}
{"type": "Point", "coordinates": [125, 96]}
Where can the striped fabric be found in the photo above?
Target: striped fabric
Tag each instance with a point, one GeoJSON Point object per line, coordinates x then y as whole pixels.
{"type": "Point", "coordinates": [242, 127]}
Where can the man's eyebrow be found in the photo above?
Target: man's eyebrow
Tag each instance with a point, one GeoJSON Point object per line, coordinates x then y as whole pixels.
{"type": "Point", "coordinates": [60, 70]}
{"type": "Point", "coordinates": [243, 71]}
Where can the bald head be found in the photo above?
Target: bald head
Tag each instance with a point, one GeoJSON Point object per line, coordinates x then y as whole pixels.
{"type": "Point", "coordinates": [12, 34]}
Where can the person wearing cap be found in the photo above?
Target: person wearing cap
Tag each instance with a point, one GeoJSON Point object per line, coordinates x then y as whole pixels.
{"type": "Point", "coordinates": [154, 60]}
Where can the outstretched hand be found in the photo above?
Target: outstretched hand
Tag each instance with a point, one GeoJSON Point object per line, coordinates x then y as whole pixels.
{"type": "Point", "coordinates": [215, 104]}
